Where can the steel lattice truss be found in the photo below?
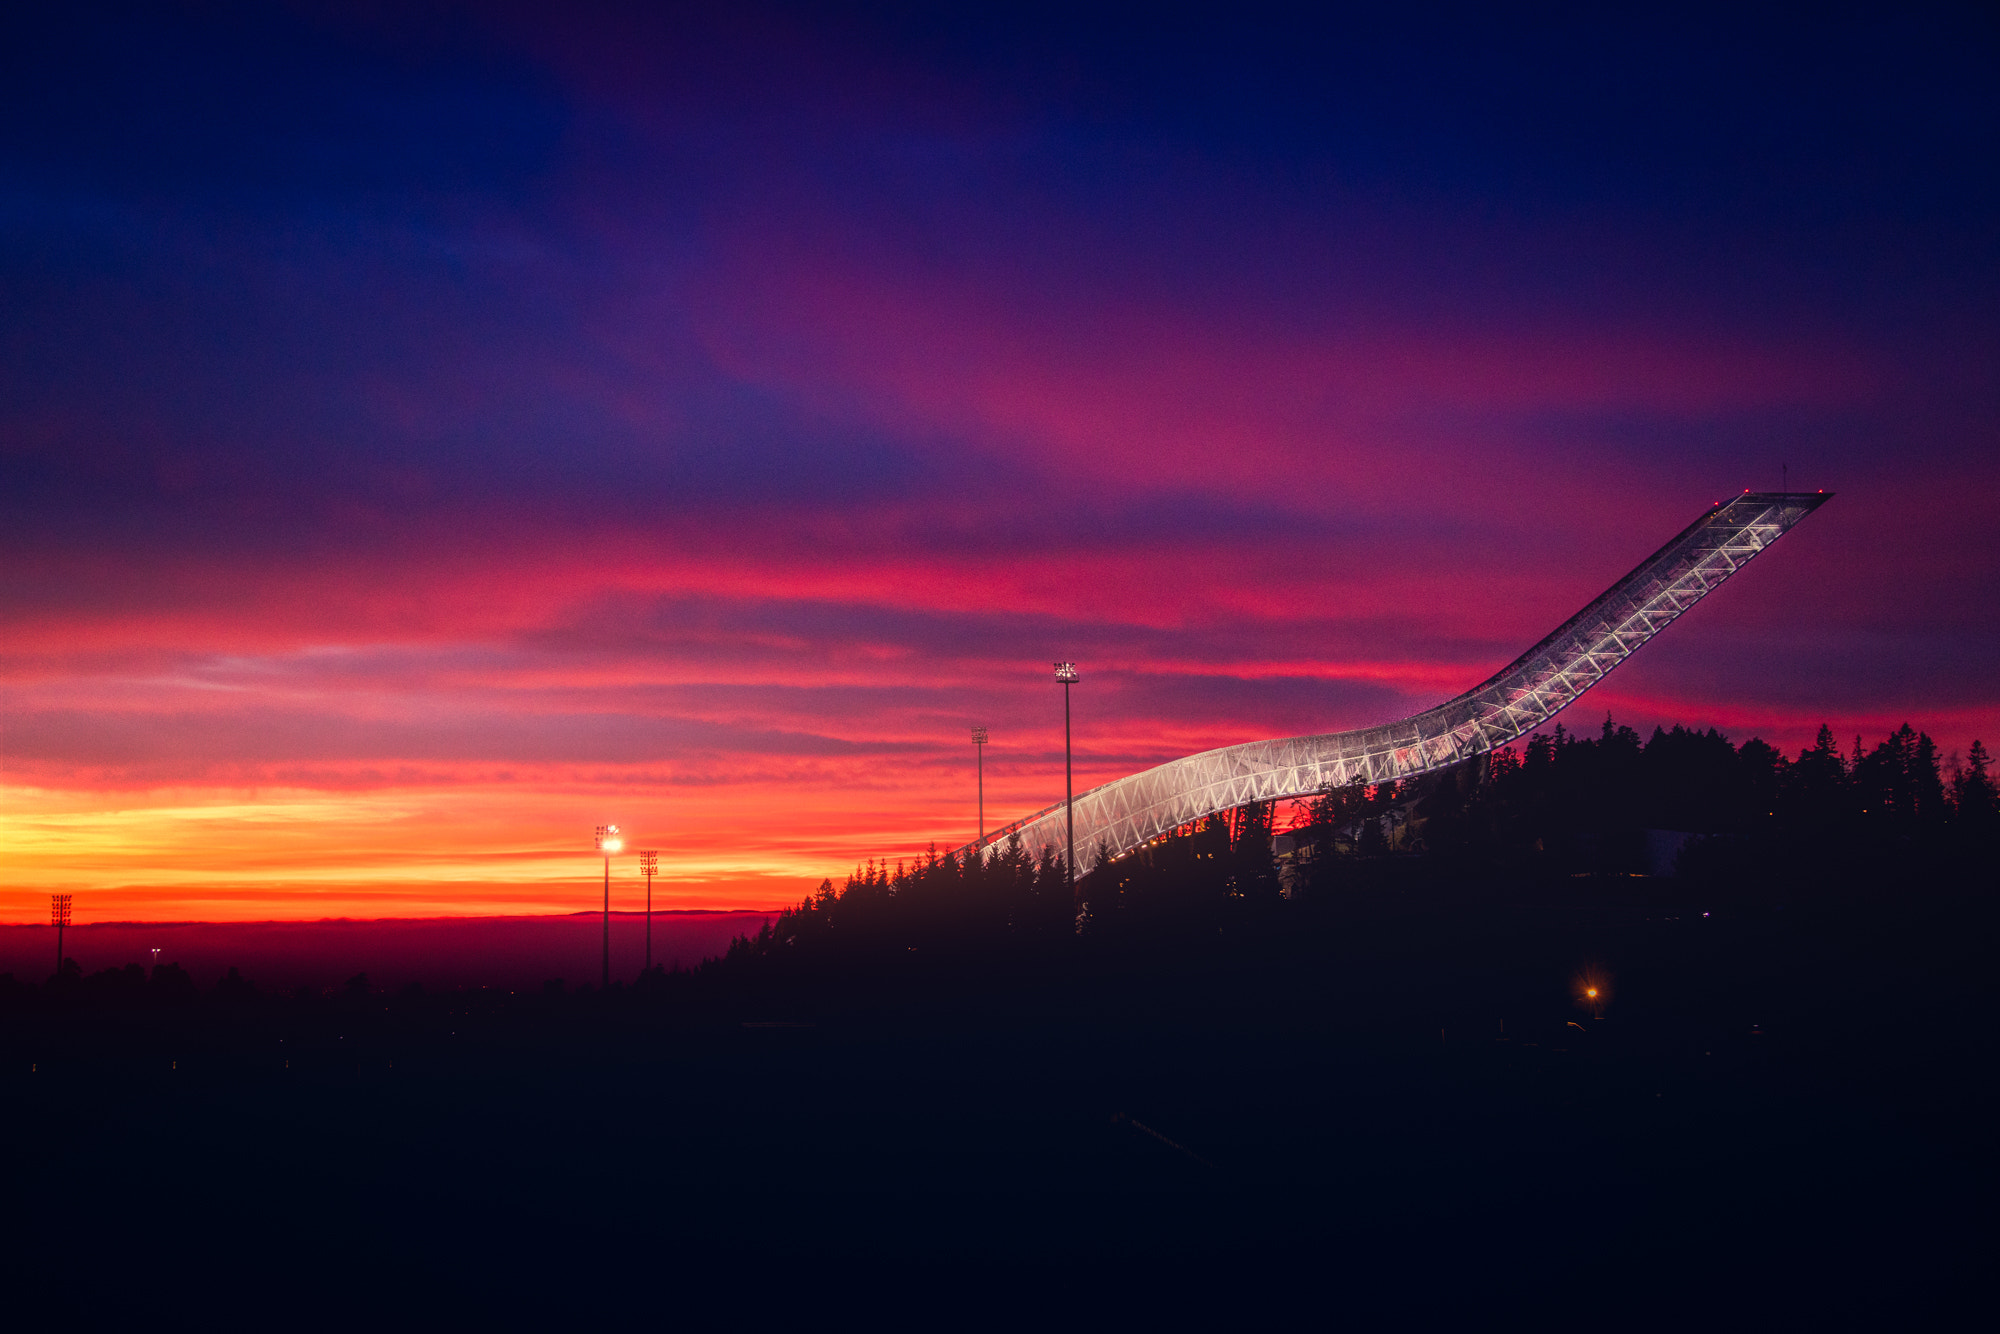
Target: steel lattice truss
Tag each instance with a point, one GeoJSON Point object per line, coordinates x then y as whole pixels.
{"type": "Point", "coordinates": [1118, 817]}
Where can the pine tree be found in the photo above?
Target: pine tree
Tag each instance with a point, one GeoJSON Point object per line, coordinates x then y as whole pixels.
{"type": "Point", "coordinates": [1817, 786]}
{"type": "Point", "coordinates": [1976, 803]}
{"type": "Point", "coordinates": [1927, 783]}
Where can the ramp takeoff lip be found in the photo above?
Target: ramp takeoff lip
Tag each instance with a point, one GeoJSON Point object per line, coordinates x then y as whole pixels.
{"type": "Point", "coordinates": [1114, 819]}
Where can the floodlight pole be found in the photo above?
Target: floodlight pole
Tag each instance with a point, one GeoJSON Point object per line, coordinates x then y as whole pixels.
{"type": "Point", "coordinates": [608, 842]}
{"type": "Point", "coordinates": [979, 768]}
{"type": "Point", "coordinates": [649, 862]}
{"type": "Point", "coordinates": [59, 907]}
{"type": "Point", "coordinates": [1066, 673]}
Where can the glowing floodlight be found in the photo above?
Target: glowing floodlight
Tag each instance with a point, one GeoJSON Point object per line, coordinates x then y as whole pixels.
{"type": "Point", "coordinates": [1593, 991]}
{"type": "Point", "coordinates": [1066, 675]}
{"type": "Point", "coordinates": [608, 842]}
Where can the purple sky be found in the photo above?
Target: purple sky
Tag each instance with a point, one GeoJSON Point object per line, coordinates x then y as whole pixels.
{"type": "Point", "coordinates": [425, 434]}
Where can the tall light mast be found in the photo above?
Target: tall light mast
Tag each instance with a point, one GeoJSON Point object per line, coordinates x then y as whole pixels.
{"type": "Point", "coordinates": [649, 862]}
{"type": "Point", "coordinates": [608, 842]}
{"type": "Point", "coordinates": [59, 905]}
{"type": "Point", "coordinates": [979, 769]}
{"type": "Point", "coordinates": [1066, 674]}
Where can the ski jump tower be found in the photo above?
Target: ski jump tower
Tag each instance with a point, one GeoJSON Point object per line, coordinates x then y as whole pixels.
{"type": "Point", "coordinates": [1535, 687]}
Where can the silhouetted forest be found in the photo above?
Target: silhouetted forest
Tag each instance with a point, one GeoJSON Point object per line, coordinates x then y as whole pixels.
{"type": "Point", "coordinates": [1682, 805]}
{"type": "Point", "coordinates": [1565, 815]}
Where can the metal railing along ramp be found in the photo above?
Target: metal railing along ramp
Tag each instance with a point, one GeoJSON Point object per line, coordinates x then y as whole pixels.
{"type": "Point", "coordinates": [1548, 678]}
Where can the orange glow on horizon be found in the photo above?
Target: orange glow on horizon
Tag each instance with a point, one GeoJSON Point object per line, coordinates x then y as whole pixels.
{"type": "Point", "coordinates": [285, 855]}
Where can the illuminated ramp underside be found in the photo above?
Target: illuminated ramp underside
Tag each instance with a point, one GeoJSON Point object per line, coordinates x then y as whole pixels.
{"type": "Point", "coordinates": [1538, 685]}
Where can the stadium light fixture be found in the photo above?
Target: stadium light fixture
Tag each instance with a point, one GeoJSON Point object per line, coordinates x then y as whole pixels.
{"type": "Point", "coordinates": [59, 910]}
{"type": "Point", "coordinates": [979, 770]}
{"type": "Point", "coordinates": [1066, 675]}
{"type": "Point", "coordinates": [608, 842]}
{"type": "Point", "coordinates": [649, 862]}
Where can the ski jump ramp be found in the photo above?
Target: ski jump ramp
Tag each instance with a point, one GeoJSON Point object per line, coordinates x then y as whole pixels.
{"type": "Point", "coordinates": [1123, 815]}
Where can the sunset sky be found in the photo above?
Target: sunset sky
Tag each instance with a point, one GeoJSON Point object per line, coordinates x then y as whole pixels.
{"type": "Point", "coordinates": [425, 435]}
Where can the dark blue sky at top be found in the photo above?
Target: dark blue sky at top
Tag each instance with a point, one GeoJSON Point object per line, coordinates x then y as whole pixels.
{"type": "Point", "coordinates": [1818, 127]}
{"type": "Point", "coordinates": [191, 175]}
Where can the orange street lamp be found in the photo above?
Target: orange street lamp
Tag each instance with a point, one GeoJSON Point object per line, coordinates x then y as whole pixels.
{"type": "Point", "coordinates": [1593, 991]}
{"type": "Point", "coordinates": [608, 842]}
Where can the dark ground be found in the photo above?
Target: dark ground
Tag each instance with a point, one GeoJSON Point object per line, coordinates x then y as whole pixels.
{"type": "Point", "coordinates": [439, 952]}
{"type": "Point", "coordinates": [1784, 1116]}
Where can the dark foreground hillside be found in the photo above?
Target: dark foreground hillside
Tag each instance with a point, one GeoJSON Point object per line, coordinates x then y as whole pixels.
{"type": "Point", "coordinates": [1385, 1104]}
